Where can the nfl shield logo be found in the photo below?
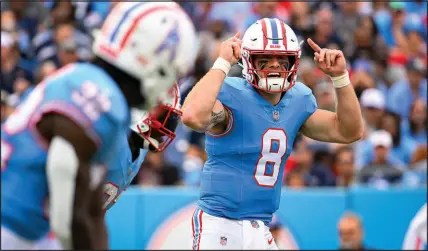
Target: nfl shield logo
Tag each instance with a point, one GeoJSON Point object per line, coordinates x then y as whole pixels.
{"type": "Point", "coordinates": [275, 115]}
{"type": "Point", "coordinates": [254, 224]}
{"type": "Point", "coordinates": [223, 240]}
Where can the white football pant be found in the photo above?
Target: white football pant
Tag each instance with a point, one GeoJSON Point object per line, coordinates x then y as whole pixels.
{"type": "Point", "coordinates": [49, 243]}
{"type": "Point", "coordinates": [210, 232]}
{"type": "Point", "coordinates": [12, 241]}
{"type": "Point", "coordinates": [416, 236]}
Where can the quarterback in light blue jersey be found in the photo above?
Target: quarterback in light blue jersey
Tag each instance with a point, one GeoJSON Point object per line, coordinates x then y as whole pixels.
{"type": "Point", "coordinates": [251, 124]}
{"type": "Point", "coordinates": [57, 146]}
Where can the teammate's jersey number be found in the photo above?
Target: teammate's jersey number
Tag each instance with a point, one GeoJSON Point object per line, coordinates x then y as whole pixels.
{"type": "Point", "coordinates": [111, 190]}
{"type": "Point", "coordinates": [270, 156]}
{"type": "Point", "coordinates": [6, 151]}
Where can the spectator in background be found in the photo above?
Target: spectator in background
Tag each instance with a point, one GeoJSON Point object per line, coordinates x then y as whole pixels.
{"type": "Point", "coordinates": [366, 42]}
{"type": "Point", "coordinates": [295, 180]}
{"type": "Point", "coordinates": [301, 21]}
{"type": "Point", "coordinates": [156, 172]}
{"type": "Point", "coordinates": [261, 10]}
{"type": "Point", "coordinates": [91, 14]}
{"type": "Point", "coordinates": [63, 26]}
{"type": "Point", "coordinates": [382, 169]}
{"type": "Point", "coordinates": [45, 69]}
{"type": "Point", "coordinates": [5, 110]}
{"type": "Point", "coordinates": [403, 93]}
{"type": "Point", "coordinates": [351, 232]}
{"type": "Point", "coordinates": [372, 103]}
{"type": "Point", "coordinates": [388, 16]}
{"type": "Point", "coordinates": [67, 52]}
{"type": "Point", "coordinates": [382, 79]}
{"type": "Point", "coordinates": [311, 161]}
{"type": "Point", "coordinates": [325, 95]}
{"type": "Point", "coordinates": [344, 166]}
{"type": "Point", "coordinates": [323, 33]}
{"type": "Point", "coordinates": [416, 46]}
{"type": "Point", "coordinates": [345, 24]}
{"type": "Point", "coordinates": [307, 73]}
{"type": "Point", "coordinates": [234, 13]}
{"type": "Point", "coordinates": [26, 17]}
{"type": "Point", "coordinates": [402, 148]}
{"type": "Point", "coordinates": [321, 173]}
{"type": "Point", "coordinates": [416, 125]}
{"type": "Point", "coordinates": [361, 79]}
{"type": "Point", "coordinates": [11, 63]}
{"type": "Point", "coordinates": [211, 39]}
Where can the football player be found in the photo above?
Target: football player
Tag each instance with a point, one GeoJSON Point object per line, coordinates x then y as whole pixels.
{"type": "Point", "coordinates": [251, 124]}
{"type": "Point", "coordinates": [56, 146]}
{"type": "Point", "coordinates": [154, 131]}
{"type": "Point", "coordinates": [416, 236]}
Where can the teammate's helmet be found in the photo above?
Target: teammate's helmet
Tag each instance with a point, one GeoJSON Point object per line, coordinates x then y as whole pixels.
{"type": "Point", "coordinates": [155, 42]}
{"type": "Point", "coordinates": [162, 120]}
{"type": "Point", "coordinates": [270, 36]}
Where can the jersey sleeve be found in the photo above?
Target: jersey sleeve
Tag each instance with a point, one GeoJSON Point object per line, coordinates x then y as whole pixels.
{"type": "Point", "coordinates": [311, 103]}
{"type": "Point", "coordinates": [224, 96]}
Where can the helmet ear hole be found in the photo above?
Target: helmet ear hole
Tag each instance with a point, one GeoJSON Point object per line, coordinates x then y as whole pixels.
{"type": "Point", "coordinates": [161, 72]}
{"type": "Point", "coordinates": [292, 60]}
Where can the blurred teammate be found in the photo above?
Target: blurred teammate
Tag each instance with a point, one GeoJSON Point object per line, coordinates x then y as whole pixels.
{"type": "Point", "coordinates": [55, 147]}
{"type": "Point", "coordinates": [416, 236]}
{"type": "Point", "coordinates": [250, 127]}
{"type": "Point", "coordinates": [153, 130]}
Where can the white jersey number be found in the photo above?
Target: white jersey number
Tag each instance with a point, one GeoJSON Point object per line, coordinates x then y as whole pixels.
{"type": "Point", "coordinates": [6, 151]}
{"type": "Point", "coordinates": [270, 156]}
{"type": "Point", "coordinates": [111, 190]}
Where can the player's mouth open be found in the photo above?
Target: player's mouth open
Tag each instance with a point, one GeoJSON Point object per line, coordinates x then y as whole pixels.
{"type": "Point", "coordinates": [274, 75]}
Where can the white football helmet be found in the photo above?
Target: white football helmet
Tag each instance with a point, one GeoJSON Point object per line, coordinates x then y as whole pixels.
{"type": "Point", "coordinates": [270, 36]}
{"type": "Point", "coordinates": [155, 42]}
{"type": "Point", "coordinates": [160, 121]}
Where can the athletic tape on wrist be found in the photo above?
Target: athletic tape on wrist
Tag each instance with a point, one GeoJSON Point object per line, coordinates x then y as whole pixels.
{"type": "Point", "coordinates": [341, 81]}
{"type": "Point", "coordinates": [222, 64]}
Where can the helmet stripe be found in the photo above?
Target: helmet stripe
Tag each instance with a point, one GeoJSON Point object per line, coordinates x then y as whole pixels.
{"type": "Point", "coordinates": [141, 16]}
{"type": "Point", "coordinates": [284, 34]}
{"type": "Point", "coordinates": [123, 19]}
{"type": "Point", "coordinates": [265, 34]}
{"type": "Point", "coordinates": [274, 29]}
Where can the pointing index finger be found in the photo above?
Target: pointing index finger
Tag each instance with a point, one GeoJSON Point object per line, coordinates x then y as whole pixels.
{"type": "Point", "coordinates": [313, 45]}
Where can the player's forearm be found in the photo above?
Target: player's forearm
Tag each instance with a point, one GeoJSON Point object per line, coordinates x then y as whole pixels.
{"type": "Point", "coordinates": [199, 104]}
{"type": "Point", "coordinates": [100, 238]}
{"type": "Point", "coordinates": [82, 232]}
{"type": "Point", "coordinates": [348, 114]}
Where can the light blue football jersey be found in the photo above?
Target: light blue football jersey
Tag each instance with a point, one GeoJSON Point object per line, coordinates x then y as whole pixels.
{"type": "Point", "coordinates": [242, 177]}
{"type": "Point", "coordinates": [121, 174]}
{"type": "Point", "coordinates": [89, 97]}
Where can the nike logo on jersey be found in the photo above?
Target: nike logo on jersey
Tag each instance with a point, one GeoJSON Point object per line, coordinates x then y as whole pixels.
{"type": "Point", "coordinates": [270, 241]}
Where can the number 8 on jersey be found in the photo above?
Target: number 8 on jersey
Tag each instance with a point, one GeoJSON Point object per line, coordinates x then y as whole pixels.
{"type": "Point", "coordinates": [274, 147]}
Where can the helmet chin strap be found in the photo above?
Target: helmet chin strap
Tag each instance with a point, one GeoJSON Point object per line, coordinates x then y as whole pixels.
{"type": "Point", "coordinates": [138, 125]}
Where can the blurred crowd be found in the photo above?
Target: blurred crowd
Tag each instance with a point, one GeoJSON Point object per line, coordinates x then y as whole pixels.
{"type": "Point", "coordinates": [385, 44]}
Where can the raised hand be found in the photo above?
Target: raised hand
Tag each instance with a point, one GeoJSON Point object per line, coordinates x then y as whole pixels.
{"type": "Point", "coordinates": [331, 62]}
{"type": "Point", "coordinates": [231, 48]}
